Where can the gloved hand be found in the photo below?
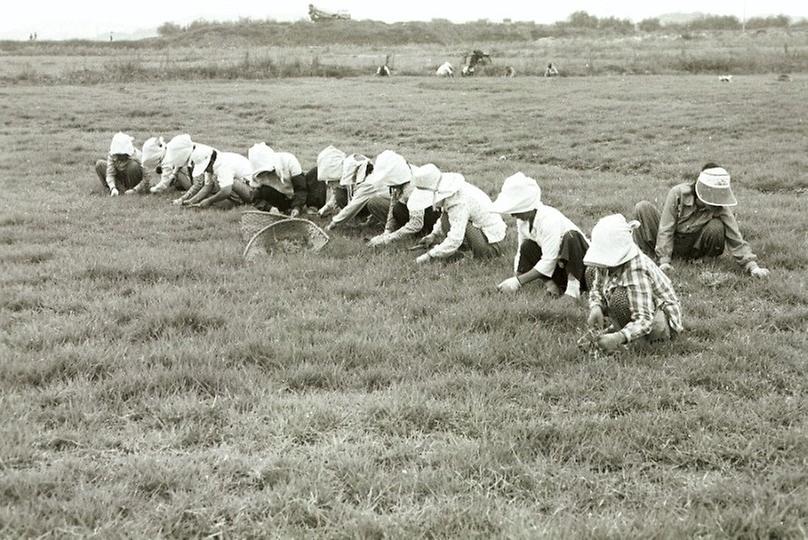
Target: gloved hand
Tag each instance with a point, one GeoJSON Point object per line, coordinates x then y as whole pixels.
{"type": "Point", "coordinates": [294, 213]}
{"type": "Point", "coordinates": [760, 272]}
{"type": "Point", "coordinates": [510, 285]}
{"type": "Point", "coordinates": [426, 241]}
{"type": "Point", "coordinates": [423, 259]}
{"type": "Point", "coordinates": [610, 342]}
{"type": "Point", "coordinates": [130, 191]}
{"type": "Point", "coordinates": [595, 319]}
{"type": "Point", "coordinates": [667, 268]}
{"type": "Point", "coordinates": [330, 226]}
{"type": "Point", "coordinates": [379, 240]}
{"type": "Point", "coordinates": [177, 202]}
{"type": "Point", "coordinates": [113, 192]}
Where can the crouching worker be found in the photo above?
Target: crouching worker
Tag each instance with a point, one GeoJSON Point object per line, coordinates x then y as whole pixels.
{"type": "Point", "coordinates": [466, 216]}
{"type": "Point", "coordinates": [629, 288]}
{"type": "Point", "coordinates": [279, 180]}
{"type": "Point", "coordinates": [225, 173]}
{"type": "Point", "coordinates": [393, 173]}
{"type": "Point", "coordinates": [356, 169]}
{"type": "Point", "coordinates": [177, 158]}
{"type": "Point", "coordinates": [153, 155]}
{"type": "Point", "coordinates": [550, 248]}
{"type": "Point", "coordinates": [696, 222]}
{"type": "Point", "coordinates": [122, 169]}
{"type": "Point", "coordinates": [329, 171]}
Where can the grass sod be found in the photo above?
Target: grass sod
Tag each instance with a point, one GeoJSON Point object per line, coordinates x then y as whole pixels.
{"type": "Point", "coordinates": [154, 385]}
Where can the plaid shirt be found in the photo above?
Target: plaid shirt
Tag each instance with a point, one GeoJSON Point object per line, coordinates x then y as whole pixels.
{"type": "Point", "coordinates": [648, 289]}
{"type": "Point", "coordinates": [118, 166]}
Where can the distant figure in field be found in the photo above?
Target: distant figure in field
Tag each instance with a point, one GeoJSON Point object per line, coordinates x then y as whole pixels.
{"type": "Point", "coordinates": [550, 70]}
{"type": "Point", "coordinates": [465, 216]}
{"type": "Point", "coordinates": [278, 178]}
{"type": "Point", "coordinates": [629, 288]}
{"type": "Point", "coordinates": [384, 69]}
{"type": "Point", "coordinates": [356, 170]}
{"type": "Point", "coordinates": [225, 173]}
{"type": "Point", "coordinates": [725, 78]}
{"type": "Point", "coordinates": [550, 248]}
{"type": "Point", "coordinates": [696, 222]}
{"type": "Point", "coordinates": [152, 157]}
{"type": "Point", "coordinates": [445, 70]}
{"type": "Point", "coordinates": [122, 169]}
{"type": "Point", "coordinates": [477, 57]}
{"type": "Point", "coordinates": [394, 173]}
{"type": "Point", "coordinates": [35, 36]}
{"type": "Point", "coordinates": [30, 37]}
{"type": "Point", "coordinates": [110, 36]}
{"type": "Point", "coordinates": [510, 72]}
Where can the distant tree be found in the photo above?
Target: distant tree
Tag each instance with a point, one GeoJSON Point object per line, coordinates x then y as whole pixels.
{"type": "Point", "coordinates": [715, 22]}
{"type": "Point", "coordinates": [623, 26]}
{"type": "Point", "coordinates": [650, 25]}
{"type": "Point", "coordinates": [582, 19]}
{"type": "Point", "coordinates": [780, 21]}
{"type": "Point", "coordinates": [168, 29]}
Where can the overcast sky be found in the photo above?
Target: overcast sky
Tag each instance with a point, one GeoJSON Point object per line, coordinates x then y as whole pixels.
{"type": "Point", "coordinates": [90, 18]}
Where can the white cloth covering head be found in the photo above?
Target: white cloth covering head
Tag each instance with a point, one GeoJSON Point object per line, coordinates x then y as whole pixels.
{"type": "Point", "coordinates": [122, 144]}
{"type": "Point", "coordinates": [354, 170]}
{"type": "Point", "coordinates": [154, 150]}
{"type": "Point", "coordinates": [612, 242]}
{"type": "Point", "coordinates": [262, 158]}
{"type": "Point", "coordinates": [432, 186]}
{"type": "Point", "coordinates": [713, 187]}
{"type": "Point", "coordinates": [329, 164]}
{"type": "Point", "coordinates": [200, 158]}
{"type": "Point", "coordinates": [519, 194]}
{"type": "Point", "coordinates": [389, 170]}
{"type": "Point", "coordinates": [178, 151]}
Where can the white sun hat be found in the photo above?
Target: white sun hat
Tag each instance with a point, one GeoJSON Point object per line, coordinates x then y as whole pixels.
{"type": "Point", "coordinates": [519, 194]}
{"type": "Point", "coordinates": [354, 170]}
{"type": "Point", "coordinates": [122, 144]}
{"type": "Point", "coordinates": [262, 158]}
{"type": "Point", "coordinates": [178, 151]}
{"type": "Point", "coordinates": [329, 164]}
{"type": "Point", "coordinates": [154, 149]}
{"type": "Point", "coordinates": [612, 242]}
{"type": "Point", "coordinates": [200, 158]}
{"type": "Point", "coordinates": [713, 187]}
{"type": "Point", "coordinates": [389, 170]}
{"type": "Point", "coordinates": [432, 186]}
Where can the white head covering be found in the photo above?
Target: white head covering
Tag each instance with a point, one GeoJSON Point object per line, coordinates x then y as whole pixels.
{"type": "Point", "coordinates": [122, 144]}
{"type": "Point", "coordinates": [432, 186]}
{"type": "Point", "coordinates": [329, 164]}
{"type": "Point", "coordinates": [519, 194]}
{"type": "Point", "coordinates": [390, 169]}
{"type": "Point", "coordinates": [200, 158]}
{"type": "Point", "coordinates": [178, 151]}
{"type": "Point", "coordinates": [612, 242]}
{"type": "Point", "coordinates": [154, 149]}
{"type": "Point", "coordinates": [713, 187]}
{"type": "Point", "coordinates": [262, 158]}
{"type": "Point", "coordinates": [354, 170]}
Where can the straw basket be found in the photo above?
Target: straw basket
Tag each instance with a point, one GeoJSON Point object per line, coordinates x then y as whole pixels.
{"type": "Point", "coordinates": [266, 233]}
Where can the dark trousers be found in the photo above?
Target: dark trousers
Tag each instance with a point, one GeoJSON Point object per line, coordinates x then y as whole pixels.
{"type": "Point", "coordinates": [570, 259]}
{"type": "Point", "coordinates": [379, 207]}
{"type": "Point", "coordinates": [273, 197]}
{"type": "Point", "coordinates": [308, 190]}
{"type": "Point", "coordinates": [126, 179]}
{"type": "Point", "coordinates": [708, 242]}
{"type": "Point", "coordinates": [474, 239]}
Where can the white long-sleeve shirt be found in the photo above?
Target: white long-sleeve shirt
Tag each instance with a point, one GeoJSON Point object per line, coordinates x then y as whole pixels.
{"type": "Point", "coordinates": [416, 217]}
{"type": "Point", "coordinates": [228, 167]}
{"type": "Point", "coordinates": [549, 226]}
{"type": "Point", "coordinates": [468, 204]}
{"type": "Point", "coordinates": [364, 192]}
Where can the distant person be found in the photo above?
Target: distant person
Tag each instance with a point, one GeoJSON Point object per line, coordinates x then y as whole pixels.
{"type": "Point", "coordinates": [226, 175]}
{"type": "Point", "coordinates": [466, 217]}
{"type": "Point", "coordinates": [30, 37]}
{"type": "Point", "coordinates": [629, 289]}
{"type": "Point", "coordinates": [110, 36]}
{"type": "Point", "coordinates": [152, 156]}
{"type": "Point", "coordinates": [122, 169]}
{"type": "Point", "coordinates": [550, 247]}
{"type": "Point", "coordinates": [391, 171]}
{"type": "Point", "coordinates": [35, 36]}
{"type": "Point", "coordinates": [177, 162]}
{"type": "Point", "coordinates": [278, 178]}
{"type": "Point", "coordinates": [550, 70]}
{"type": "Point", "coordinates": [356, 169]}
{"type": "Point", "coordinates": [696, 222]}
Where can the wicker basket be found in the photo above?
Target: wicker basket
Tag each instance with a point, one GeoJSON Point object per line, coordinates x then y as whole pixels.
{"type": "Point", "coordinates": [287, 235]}
{"type": "Point", "coordinates": [253, 221]}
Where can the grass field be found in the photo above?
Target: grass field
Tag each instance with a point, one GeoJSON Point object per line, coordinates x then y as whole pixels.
{"type": "Point", "coordinates": [152, 384]}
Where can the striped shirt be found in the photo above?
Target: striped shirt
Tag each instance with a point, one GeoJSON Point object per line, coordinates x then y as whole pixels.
{"type": "Point", "coordinates": [648, 289]}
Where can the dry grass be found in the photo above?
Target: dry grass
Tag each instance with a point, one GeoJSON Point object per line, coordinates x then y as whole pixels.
{"type": "Point", "coordinates": [153, 385]}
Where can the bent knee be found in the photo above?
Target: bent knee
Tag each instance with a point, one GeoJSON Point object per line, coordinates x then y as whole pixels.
{"type": "Point", "coordinates": [642, 208]}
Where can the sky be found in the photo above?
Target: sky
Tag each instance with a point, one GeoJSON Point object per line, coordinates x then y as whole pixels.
{"type": "Point", "coordinates": [94, 18]}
